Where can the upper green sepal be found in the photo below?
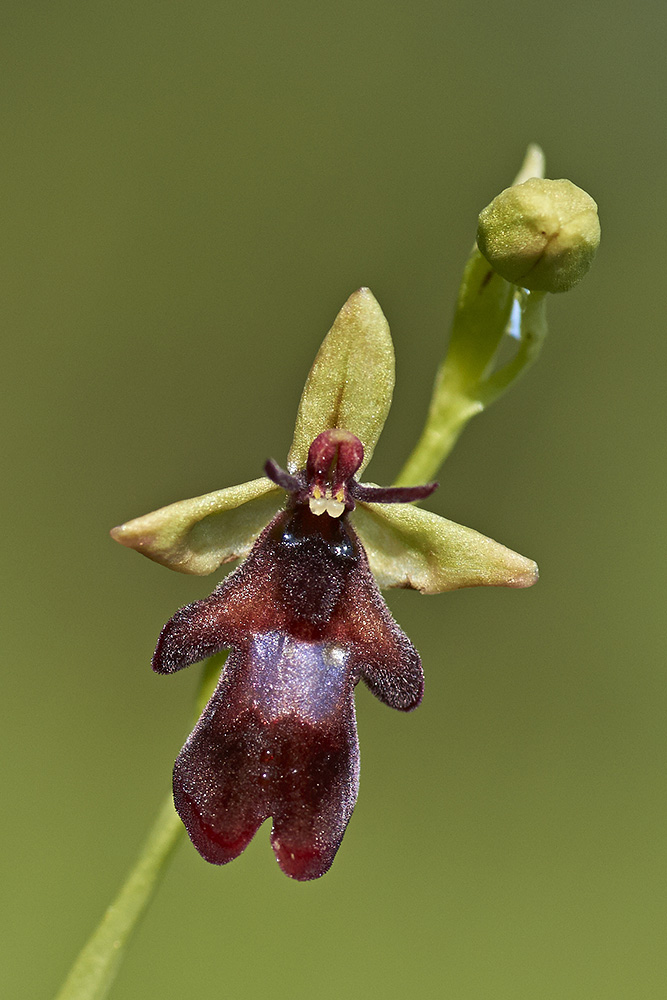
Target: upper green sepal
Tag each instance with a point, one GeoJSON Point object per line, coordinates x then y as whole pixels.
{"type": "Point", "coordinates": [198, 535]}
{"type": "Point", "coordinates": [410, 547]}
{"type": "Point", "coordinates": [351, 382]}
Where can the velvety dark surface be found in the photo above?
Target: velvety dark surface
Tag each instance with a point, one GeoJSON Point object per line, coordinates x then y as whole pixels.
{"type": "Point", "coordinates": [278, 738]}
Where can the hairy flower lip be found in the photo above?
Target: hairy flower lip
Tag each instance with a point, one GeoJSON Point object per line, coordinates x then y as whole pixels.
{"type": "Point", "coordinates": [306, 621]}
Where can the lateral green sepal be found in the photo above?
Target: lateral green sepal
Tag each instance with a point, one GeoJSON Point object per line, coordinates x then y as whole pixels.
{"type": "Point", "coordinates": [198, 535]}
{"type": "Point", "coordinates": [410, 547]}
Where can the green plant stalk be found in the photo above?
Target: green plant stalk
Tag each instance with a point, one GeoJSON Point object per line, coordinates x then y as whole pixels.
{"type": "Point", "coordinates": [480, 320]}
{"type": "Point", "coordinates": [449, 414]}
{"type": "Point", "coordinates": [463, 387]}
{"type": "Point", "coordinates": [533, 334]}
{"type": "Point", "coordinates": [95, 969]}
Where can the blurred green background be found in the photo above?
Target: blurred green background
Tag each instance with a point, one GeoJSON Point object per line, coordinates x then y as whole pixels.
{"type": "Point", "coordinates": [190, 192]}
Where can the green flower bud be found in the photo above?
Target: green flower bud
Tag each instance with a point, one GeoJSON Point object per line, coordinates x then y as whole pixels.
{"type": "Point", "coordinates": [541, 235]}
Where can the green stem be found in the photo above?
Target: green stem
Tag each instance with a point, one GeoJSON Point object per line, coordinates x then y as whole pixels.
{"type": "Point", "coordinates": [444, 425]}
{"type": "Point", "coordinates": [533, 334]}
{"type": "Point", "coordinates": [95, 969]}
{"type": "Point", "coordinates": [462, 388]}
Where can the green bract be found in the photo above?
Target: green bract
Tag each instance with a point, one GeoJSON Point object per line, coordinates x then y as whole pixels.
{"type": "Point", "coordinates": [349, 388]}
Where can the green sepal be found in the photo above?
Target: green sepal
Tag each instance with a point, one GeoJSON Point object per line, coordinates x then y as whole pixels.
{"type": "Point", "coordinates": [410, 547]}
{"type": "Point", "coordinates": [351, 382]}
{"type": "Point", "coordinates": [198, 535]}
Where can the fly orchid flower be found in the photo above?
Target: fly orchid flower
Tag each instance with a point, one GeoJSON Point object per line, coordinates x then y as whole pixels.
{"type": "Point", "coordinates": [303, 613]}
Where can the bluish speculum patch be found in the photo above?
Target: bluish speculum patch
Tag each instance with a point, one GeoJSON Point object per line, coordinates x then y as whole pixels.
{"type": "Point", "coordinates": [292, 677]}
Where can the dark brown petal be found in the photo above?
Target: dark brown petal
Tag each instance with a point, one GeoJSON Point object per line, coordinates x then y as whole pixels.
{"type": "Point", "coordinates": [277, 475]}
{"type": "Point", "coordinates": [380, 650]}
{"type": "Point", "coordinates": [196, 631]}
{"type": "Point", "coordinates": [391, 494]}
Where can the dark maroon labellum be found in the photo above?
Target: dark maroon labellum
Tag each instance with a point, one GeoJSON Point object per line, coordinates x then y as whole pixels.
{"type": "Point", "coordinates": [305, 621]}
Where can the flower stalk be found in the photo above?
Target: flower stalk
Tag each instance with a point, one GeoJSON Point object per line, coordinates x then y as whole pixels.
{"type": "Point", "coordinates": [95, 969]}
{"type": "Point", "coordinates": [480, 320]}
{"type": "Point", "coordinates": [489, 310]}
